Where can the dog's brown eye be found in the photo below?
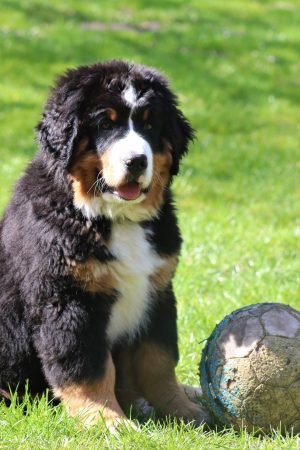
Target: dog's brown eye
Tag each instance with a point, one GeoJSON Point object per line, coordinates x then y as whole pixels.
{"type": "Point", "coordinates": [106, 124]}
{"type": "Point", "coordinates": [147, 126]}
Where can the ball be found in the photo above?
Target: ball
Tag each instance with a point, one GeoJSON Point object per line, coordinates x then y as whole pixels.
{"type": "Point", "coordinates": [250, 369]}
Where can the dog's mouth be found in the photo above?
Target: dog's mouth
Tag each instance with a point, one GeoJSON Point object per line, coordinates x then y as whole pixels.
{"type": "Point", "coordinates": [129, 191]}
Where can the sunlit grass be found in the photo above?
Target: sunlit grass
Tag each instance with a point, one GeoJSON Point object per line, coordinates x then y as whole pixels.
{"type": "Point", "coordinates": [235, 66]}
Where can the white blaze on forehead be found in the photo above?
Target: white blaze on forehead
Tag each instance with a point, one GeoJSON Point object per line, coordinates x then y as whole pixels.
{"type": "Point", "coordinates": [129, 95]}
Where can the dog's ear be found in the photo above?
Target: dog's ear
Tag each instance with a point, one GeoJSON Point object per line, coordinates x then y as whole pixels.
{"type": "Point", "coordinates": [57, 135]}
{"type": "Point", "coordinates": [178, 132]}
{"type": "Point", "coordinates": [57, 132]}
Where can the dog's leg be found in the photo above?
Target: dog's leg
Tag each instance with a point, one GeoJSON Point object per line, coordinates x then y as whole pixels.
{"type": "Point", "coordinates": [126, 388]}
{"type": "Point", "coordinates": [71, 343]}
{"type": "Point", "coordinates": [155, 361]}
{"type": "Point", "coordinates": [156, 378]}
{"type": "Point", "coordinates": [93, 400]}
{"type": "Point", "coordinates": [128, 394]}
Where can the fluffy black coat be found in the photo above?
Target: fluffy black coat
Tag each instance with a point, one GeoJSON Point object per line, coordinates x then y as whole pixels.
{"type": "Point", "coordinates": [52, 330]}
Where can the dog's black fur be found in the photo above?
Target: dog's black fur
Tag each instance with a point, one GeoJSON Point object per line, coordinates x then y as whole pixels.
{"type": "Point", "coordinates": [52, 329]}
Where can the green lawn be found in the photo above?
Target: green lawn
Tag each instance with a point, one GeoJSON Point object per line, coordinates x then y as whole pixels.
{"type": "Point", "coordinates": [235, 66]}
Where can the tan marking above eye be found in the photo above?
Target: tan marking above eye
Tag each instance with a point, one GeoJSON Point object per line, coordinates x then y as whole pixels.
{"type": "Point", "coordinates": [112, 114]}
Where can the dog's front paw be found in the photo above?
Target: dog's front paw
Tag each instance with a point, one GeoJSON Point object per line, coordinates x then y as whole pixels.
{"type": "Point", "coordinates": [201, 415]}
{"type": "Point", "coordinates": [195, 414]}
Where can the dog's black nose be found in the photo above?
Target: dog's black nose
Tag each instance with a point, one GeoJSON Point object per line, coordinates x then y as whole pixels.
{"type": "Point", "coordinates": [136, 165]}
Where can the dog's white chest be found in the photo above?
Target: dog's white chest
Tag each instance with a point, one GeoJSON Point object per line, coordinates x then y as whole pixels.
{"type": "Point", "coordinates": [136, 262]}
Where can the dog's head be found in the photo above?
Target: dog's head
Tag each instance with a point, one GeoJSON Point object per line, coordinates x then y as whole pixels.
{"type": "Point", "coordinates": [117, 131]}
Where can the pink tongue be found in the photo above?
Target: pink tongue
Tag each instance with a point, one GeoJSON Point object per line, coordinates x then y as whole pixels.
{"type": "Point", "coordinates": [129, 191]}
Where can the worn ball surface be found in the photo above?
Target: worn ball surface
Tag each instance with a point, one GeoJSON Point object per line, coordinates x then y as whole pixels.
{"type": "Point", "coordinates": [250, 368]}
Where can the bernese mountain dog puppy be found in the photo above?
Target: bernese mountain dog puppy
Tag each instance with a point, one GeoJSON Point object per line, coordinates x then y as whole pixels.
{"type": "Point", "coordinates": [89, 245]}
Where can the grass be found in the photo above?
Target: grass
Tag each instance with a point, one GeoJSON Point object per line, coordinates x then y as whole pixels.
{"type": "Point", "coordinates": [236, 68]}
{"type": "Point", "coordinates": [43, 427]}
{"type": "Point", "coordinates": [49, 428]}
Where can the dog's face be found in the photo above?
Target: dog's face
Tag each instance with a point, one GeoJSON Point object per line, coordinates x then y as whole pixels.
{"type": "Point", "coordinates": [117, 131]}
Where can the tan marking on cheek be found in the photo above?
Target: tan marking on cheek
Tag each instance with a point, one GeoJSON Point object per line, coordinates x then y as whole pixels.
{"type": "Point", "coordinates": [106, 165]}
{"type": "Point", "coordinates": [112, 114]}
{"type": "Point", "coordinates": [163, 276]}
{"type": "Point", "coordinates": [84, 172]}
{"type": "Point", "coordinates": [91, 400]}
{"type": "Point", "coordinates": [93, 275]}
{"type": "Point", "coordinates": [160, 178]}
{"type": "Point", "coordinates": [83, 144]}
{"type": "Point", "coordinates": [146, 115]}
{"type": "Point", "coordinates": [156, 378]}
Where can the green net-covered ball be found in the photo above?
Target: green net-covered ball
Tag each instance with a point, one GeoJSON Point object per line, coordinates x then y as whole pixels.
{"type": "Point", "coordinates": [250, 368]}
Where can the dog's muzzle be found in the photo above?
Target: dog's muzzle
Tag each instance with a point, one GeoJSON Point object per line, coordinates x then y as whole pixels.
{"type": "Point", "coordinates": [136, 166]}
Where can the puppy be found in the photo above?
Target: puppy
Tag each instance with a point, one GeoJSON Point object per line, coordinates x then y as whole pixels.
{"type": "Point", "coordinates": [89, 245]}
